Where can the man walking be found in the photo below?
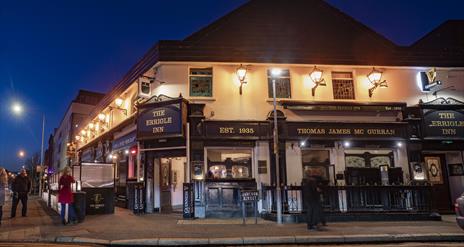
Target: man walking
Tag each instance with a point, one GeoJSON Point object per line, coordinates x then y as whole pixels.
{"type": "Point", "coordinates": [21, 186]}
{"type": "Point", "coordinates": [312, 202]}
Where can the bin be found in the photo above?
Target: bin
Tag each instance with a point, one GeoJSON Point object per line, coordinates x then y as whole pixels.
{"type": "Point", "coordinates": [80, 205]}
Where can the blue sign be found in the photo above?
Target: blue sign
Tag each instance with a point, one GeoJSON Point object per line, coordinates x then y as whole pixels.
{"type": "Point", "coordinates": [124, 142]}
{"type": "Point", "coordinates": [161, 120]}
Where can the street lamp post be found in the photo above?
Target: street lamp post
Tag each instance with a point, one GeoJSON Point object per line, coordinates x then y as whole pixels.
{"type": "Point", "coordinates": [274, 74]}
{"type": "Point", "coordinates": [18, 109]}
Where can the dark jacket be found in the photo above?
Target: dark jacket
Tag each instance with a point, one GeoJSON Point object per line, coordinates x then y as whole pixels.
{"type": "Point", "coordinates": [21, 184]}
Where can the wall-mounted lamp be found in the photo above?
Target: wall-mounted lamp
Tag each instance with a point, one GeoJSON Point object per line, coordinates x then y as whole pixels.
{"type": "Point", "coordinates": [101, 117]}
{"type": "Point", "coordinates": [118, 102]}
{"type": "Point", "coordinates": [375, 78]}
{"type": "Point", "coordinates": [241, 75]}
{"type": "Point", "coordinates": [316, 77]}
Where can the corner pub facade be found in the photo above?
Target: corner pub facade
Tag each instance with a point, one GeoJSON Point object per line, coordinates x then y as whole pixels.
{"type": "Point", "coordinates": [382, 124]}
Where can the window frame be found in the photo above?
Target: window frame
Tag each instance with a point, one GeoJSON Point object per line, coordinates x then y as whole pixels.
{"type": "Point", "coordinates": [269, 84]}
{"type": "Point", "coordinates": [352, 79]}
{"type": "Point", "coordinates": [189, 75]}
{"type": "Point", "coordinates": [252, 157]}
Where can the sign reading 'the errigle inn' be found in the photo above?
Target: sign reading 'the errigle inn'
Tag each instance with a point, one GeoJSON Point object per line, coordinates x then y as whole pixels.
{"type": "Point", "coordinates": [161, 120]}
{"type": "Point", "coordinates": [345, 130]}
{"type": "Point", "coordinates": [443, 124]}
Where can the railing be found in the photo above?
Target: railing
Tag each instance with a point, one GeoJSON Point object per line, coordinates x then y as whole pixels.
{"type": "Point", "coordinates": [354, 199]}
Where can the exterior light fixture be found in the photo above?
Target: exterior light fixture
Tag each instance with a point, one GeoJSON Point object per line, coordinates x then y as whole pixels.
{"type": "Point", "coordinates": [399, 144]}
{"type": "Point", "coordinates": [91, 126]}
{"type": "Point", "coordinates": [78, 138]}
{"type": "Point", "coordinates": [17, 108]}
{"type": "Point", "coordinates": [276, 72]}
{"type": "Point", "coordinates": [302, 143]}
{"type": "Point", "coordinates": [316, 77]}
{"type": "Point", "coordinates": [83, 132]}
{"type": "Point", "coordinates": [241, 75]}
{"type": "Point", "coordinates": [375, 78]}
{"type": "Point", "coordinates": [101, 117]}
{"type": "Point", "coordinates": [347, 144]}
{"type": "Point", "coordinates": [126, 151]}
{"type": "Point", "coordinates": [118, 102]}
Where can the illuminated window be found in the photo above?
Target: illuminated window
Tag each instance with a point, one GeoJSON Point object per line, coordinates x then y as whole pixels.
{"type": "Point", "coordinates": [229, 163]}
{"type": "Point", "coordinates": [282, 81]}
{"type": "Point", "coordinates": [201, 82]}
{"type": "Point", "coordinates": [343, 85]}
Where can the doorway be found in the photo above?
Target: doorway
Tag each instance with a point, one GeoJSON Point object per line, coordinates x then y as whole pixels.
{"type": "Point", "coordinates": [438, 176]}
{"type": "Point", "coordinates": [170, 172]}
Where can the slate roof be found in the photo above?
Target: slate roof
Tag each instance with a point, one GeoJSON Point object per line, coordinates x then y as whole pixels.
{"type": "Point", "coordinates": [297, 32]}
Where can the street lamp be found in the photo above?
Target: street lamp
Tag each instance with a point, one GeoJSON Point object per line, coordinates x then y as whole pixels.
{"type": "Point", "coordinates": [17, 109]}
{"type": "Point", "coordinates": [275, 72]}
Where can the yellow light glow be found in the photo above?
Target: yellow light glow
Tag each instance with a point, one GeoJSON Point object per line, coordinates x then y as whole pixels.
{"type": "Point", "coordinates": [21, 153]}
{"type": "Point", "coordinates": [118, 102]}
{"type": "Point", "coordinates": [276, 72]}
{"type": "Point", "coordinates": [241, 73]}
{"type": "Point", "coordinates": [91, 126]}
{"type": "Point", "coordinates": [101, 117]}
{"type": "Point", "coordinates": [316, 75]}
{"type": "Point", "coordinates": [78, 138]}
{"type": "Point", "coordinates": [375, 76]}
{"type": "Point", "coordinates": [83, 132]}
{"type": "Point", "coordinates": [97, 126]}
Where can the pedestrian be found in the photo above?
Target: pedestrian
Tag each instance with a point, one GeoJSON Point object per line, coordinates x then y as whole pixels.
{"type": "Point", "coordinates": [312, 202]}
{"type": "Point", "coordinates": [21, 186]}
{"type": "Point", "coordinates": [3, 190]}
{"type": "Point", "coordinates": [65, 197]}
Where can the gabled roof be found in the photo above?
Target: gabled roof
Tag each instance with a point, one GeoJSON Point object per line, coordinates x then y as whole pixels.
{"type": "Point", "coordinates": [282, 31]}
{"type": "Point", "coordinates": [449, 36]}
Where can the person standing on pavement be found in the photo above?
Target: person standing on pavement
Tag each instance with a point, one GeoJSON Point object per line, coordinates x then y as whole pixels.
{"type": "Point", "coordinates": [65, 197]}
{"type": "Point", "coordinates": [21, 186]}
{"type": "Point", "coordinates": [312, 201]}
{"type": "Point", "coordinates": [3, 190]}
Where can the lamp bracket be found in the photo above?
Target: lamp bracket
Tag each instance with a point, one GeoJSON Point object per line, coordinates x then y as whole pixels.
{"type": "Point", "coordinates": [318, 83]}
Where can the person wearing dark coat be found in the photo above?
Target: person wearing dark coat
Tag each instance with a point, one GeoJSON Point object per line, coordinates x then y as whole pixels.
{"type": "Point", "coordinates": [21, 186]}
{"type": "Point", "coordinates": [312, 202]}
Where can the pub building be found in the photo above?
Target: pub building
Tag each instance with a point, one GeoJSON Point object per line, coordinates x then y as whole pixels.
{"type": "Point", "coordinates": [195, 116]}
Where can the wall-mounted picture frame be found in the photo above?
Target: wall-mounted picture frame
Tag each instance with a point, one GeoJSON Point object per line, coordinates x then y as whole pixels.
{"type": "Point", "coordinates": [456, 169]}
{"type": "Point", "coordinates": [434, 171]}
{"type": "Point", "coordinates": [418, 171]}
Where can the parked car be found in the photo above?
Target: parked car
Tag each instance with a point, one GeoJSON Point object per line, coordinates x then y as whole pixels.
{"type": "Point", "coordinates": [459, 209]}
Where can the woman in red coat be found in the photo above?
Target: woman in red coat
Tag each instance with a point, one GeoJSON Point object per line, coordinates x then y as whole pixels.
{"type": "Point", "coordinates": [65, 197]}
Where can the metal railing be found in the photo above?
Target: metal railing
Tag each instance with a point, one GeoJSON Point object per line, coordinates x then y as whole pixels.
{"type": "Point", "coordinates": [394, 198]}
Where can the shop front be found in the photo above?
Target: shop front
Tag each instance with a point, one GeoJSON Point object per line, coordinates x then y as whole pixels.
{"type": "Point", "coordinates": [228, 157]}
{"type": "Point", "coordinates": [161, 133]}
{"type": "Point", "coordinates": [441, 150]}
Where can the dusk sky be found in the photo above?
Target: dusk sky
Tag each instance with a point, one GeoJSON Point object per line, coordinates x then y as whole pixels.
{"type": "Point", "coordinates": [51, 49]}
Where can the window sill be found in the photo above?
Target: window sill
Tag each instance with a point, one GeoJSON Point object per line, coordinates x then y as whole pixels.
{"type": "Point", "coordinates": [201, 99]}
{"type": "Point", "coordinates": [277, 99]}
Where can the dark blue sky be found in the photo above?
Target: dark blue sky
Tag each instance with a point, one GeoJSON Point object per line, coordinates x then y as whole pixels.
{"type": "Point", "coordinates": [50, 49]}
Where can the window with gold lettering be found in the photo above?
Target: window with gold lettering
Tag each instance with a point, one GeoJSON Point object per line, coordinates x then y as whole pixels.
{"type": "Point", "coordinates": [229, 163]}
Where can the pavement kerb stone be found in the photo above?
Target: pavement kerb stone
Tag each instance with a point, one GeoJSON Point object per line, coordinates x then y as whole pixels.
{"type": "Point", "coordinates": [135, 242]}
{"type": "Point", "coordinates": [269, 240]}
{"type": "Point", "coordinates": [226, 241]}
{"type": "Point", "coordinates": [90, 241]}
{"type": "Point", "coordinates": [311, 239]}
{"type": "Point", "coordinates": [64, 239]}
{"type": "Point", "coordinates": [426, 236]}
{"type": "Point", "coordinates": [368, 238]}
{"type": "Point", "coordinates": [452, 237]}
{"type": "Point", "coordinates": [183, 241]}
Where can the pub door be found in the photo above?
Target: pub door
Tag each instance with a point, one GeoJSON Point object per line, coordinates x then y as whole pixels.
{"type": "Point", "coordinates": [438, 177]}
{"type": "Point", "coordinates": [165, 185]}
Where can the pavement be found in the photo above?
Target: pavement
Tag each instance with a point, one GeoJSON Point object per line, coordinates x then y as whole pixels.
{"type": "Point", "coordinates": [123, 228]}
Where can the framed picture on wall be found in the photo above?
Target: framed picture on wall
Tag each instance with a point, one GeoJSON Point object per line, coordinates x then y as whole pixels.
{"type": "Point", "coordinates": [433, 164]}
{"type": "Point", "coordinates": [456, 169]}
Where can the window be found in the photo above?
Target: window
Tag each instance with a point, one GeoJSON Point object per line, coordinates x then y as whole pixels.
{"type": "Point", "coordinates": [229, 163]}
{"type": "Point", "coordinates": [316, 163]}
{"type": "Point", "coordinates": [282, 82]}
{"type": "Point", "coordinates": [201, 82]}
{"type": "Point", "coordinates": [343, 85]}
